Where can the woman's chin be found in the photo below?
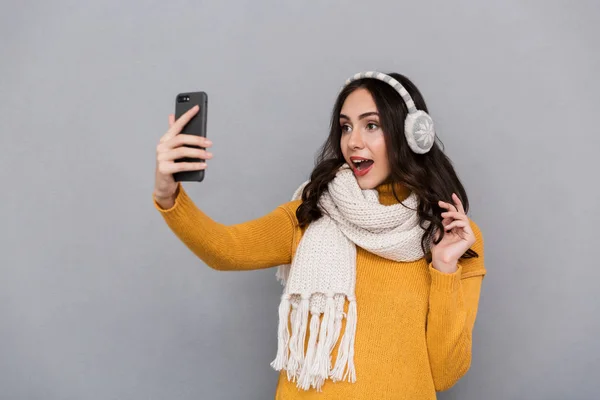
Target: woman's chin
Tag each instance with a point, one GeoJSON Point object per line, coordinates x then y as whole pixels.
{"type": "Point", "coordinates": [368, 182]}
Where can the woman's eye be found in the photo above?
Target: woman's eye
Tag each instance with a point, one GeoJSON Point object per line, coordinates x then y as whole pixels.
{"type": "Point", "coordinates": [372, 126]}
{"type": "Point", "coordinates": [346, 128]}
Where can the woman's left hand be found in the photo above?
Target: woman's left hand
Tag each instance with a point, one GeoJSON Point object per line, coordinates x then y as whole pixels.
{"type": "Point", "coordinates": [458, 237]}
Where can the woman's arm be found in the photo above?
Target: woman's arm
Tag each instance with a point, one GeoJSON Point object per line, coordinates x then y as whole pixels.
{"type": "Point", "coordinates": [453, 303]}
{"type": "Point", "coordinates": [259, 243]}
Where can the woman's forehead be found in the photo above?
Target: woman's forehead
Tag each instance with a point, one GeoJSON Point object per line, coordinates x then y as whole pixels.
{"type": "Point", "coordinates": [358, 102]}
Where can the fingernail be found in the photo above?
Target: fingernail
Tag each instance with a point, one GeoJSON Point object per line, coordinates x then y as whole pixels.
{"type": "Point", "coordinates": [208, 142]}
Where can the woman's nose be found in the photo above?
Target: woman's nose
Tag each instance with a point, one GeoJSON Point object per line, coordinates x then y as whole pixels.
{"type": "Point", "coordinates": [355, 141]}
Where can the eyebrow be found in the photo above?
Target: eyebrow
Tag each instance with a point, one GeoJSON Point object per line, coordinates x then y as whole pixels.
{"type": "Point", "coordinates": [361, 116]}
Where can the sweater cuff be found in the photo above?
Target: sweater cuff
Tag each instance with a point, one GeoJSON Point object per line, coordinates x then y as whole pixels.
{"type": "Point", "coordinates": [445, 282]}
{"type": "Point", "coordinates": [181, 198]}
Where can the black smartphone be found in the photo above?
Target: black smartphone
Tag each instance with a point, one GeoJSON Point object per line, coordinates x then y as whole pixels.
{"type": "Point", "coordinates": [196, 126]}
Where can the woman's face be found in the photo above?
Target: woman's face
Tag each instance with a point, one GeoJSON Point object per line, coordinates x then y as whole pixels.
{"type": "Point", "coordinates": [362, 139]}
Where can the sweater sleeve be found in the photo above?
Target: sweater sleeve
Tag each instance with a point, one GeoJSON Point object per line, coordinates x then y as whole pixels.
{"type": "Point", "coordinates": [453, 303]}
{"type": "Point", "coordinates": [260, 243]}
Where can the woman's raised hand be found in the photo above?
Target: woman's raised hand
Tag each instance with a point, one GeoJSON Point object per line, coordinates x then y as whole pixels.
{"type": "Point", "coordinates": [173, 146]}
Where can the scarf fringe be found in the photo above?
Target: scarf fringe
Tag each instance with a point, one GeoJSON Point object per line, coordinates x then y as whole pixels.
{"type": "Point", "coordinates": [345, 357]}
{"type": "Point", "coordinates": [311, 365]}
{"type": "Point", "coordinates": [306, 378]}
{"type": "Point", "coordinates": [322, 363]}
{"type": "Point", "coordinates": [283, 335]}
{"type": "Point", "coordinates": [296, 347]}
{"type": "Point", "coordinates": [283, 274]}
{"type": "Point", "coordinates": [293, 360]}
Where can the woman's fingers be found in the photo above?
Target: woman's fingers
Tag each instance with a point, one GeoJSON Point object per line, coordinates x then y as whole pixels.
{"type": "Point", "coordinates": [447, 206]}
{"type": "Point", "coordinates": [182, 152]}
{"type": "Point", "coordinates": [181, 140]}
{"type": "Point", "coordinates": [168, 168]}
{"type": "Point", "coordinates": [182, 121]}
{"type": "Point", "coordinates": [177, 126]}
{"type": "Point", "coordinates": [167, 135]}
{"type": "Point", "coordinates": [182, 146]}
{"type": "Point", "coordinates": [455, 220]}
{"type": "Point", "coordinates": [454, 215]}
{"type": "Point", "coordinates": [457, 223]}
{"type": "Point", "coordinates": [456, 207]}
{"type": "Point", "coordinates": [458, 203]}
{"type": "Point", "coordinates": [188, 140]}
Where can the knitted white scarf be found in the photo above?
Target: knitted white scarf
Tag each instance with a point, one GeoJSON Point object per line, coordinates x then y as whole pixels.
{"type": "Point", "coordinates": [322, 277]}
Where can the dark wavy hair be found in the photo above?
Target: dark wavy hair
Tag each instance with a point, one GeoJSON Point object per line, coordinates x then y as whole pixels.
{"type": "Point", "coordinates": [430, 176]}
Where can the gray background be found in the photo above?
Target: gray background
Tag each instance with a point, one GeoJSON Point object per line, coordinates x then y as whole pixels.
{"type": "Point", "coordinates": [99, 300]}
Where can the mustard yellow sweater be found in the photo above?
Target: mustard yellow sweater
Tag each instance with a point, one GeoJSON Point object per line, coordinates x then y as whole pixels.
{"type": "Point", "coordinates": [415, 323]}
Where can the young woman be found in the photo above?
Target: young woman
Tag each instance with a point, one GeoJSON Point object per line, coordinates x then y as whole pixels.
{"type": "Point", "coordinates": [381, 267]}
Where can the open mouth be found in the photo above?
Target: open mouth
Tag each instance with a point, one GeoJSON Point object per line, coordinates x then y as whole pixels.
{"type": "Point", "coordinates": [361, 166]}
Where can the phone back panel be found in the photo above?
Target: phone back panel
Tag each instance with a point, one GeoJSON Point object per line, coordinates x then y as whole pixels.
{"type": "Point", "coordinates": [196, 126]}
